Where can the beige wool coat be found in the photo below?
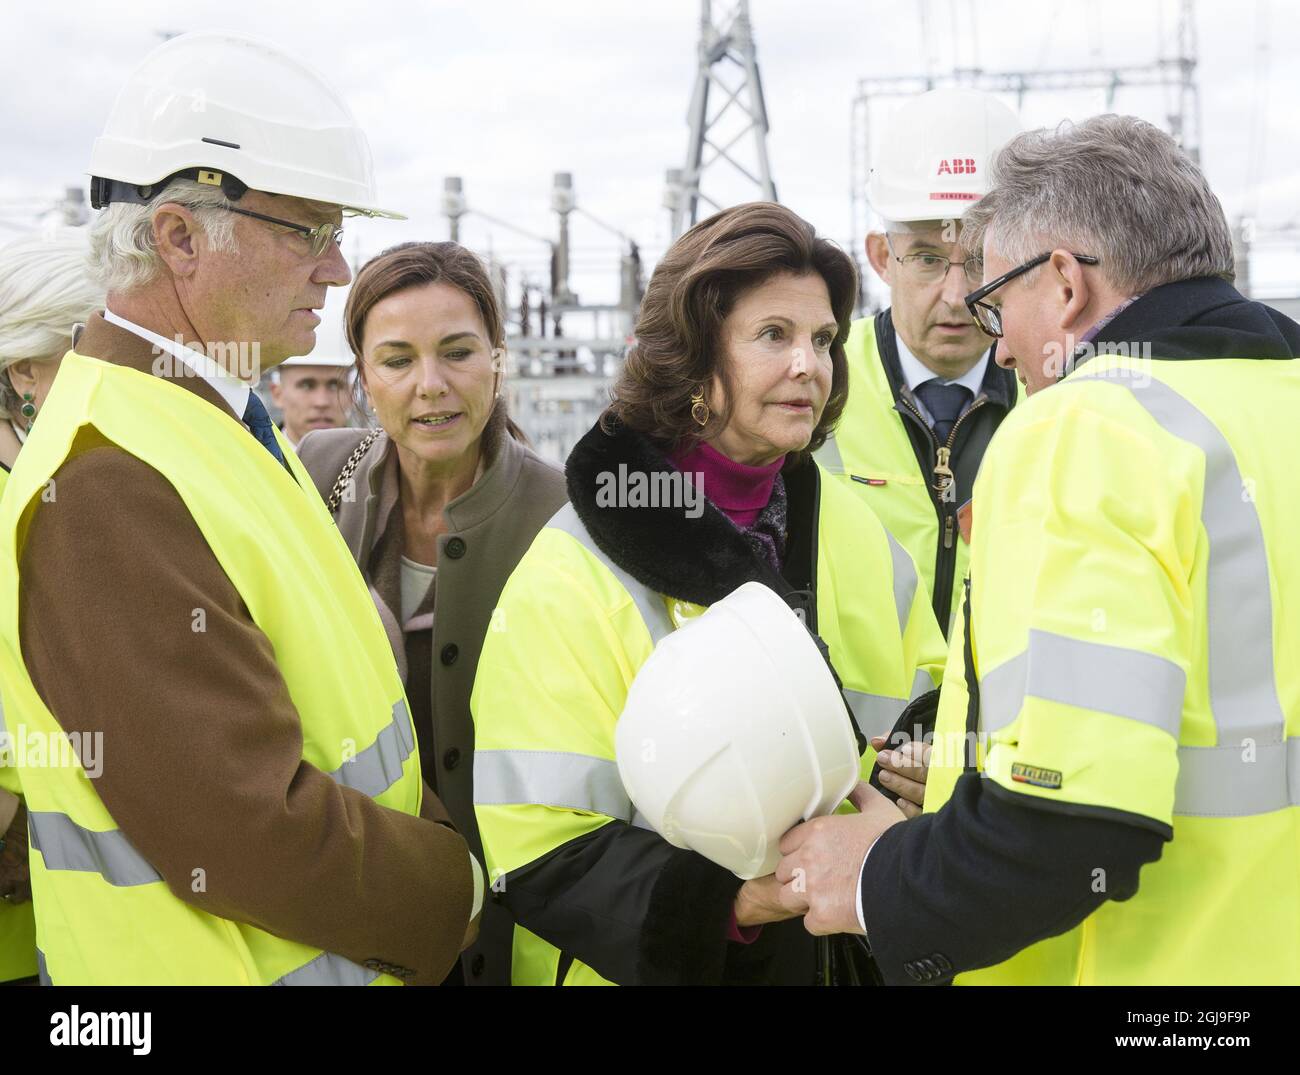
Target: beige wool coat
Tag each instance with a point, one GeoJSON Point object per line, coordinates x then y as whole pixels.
{"type": "Point", "coordinates": [489, 528]}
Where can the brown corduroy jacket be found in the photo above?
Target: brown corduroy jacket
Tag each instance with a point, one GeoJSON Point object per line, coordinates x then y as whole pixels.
{"type": "Point", "coordinates": [490, 527]}
{"type": "Point", "coordinates": [202, 745]}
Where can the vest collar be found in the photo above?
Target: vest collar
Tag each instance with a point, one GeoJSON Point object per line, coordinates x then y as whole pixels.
{"type": "Point", "coordinates": [699, 560]}
{"type": "Point", "coordinates": [1197, 319]}
{"type": "Point", "coordinates": [121, 347]}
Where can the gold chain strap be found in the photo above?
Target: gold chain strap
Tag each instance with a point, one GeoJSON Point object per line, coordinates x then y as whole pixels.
{"type": "Point", "coordinates": [345, 475]}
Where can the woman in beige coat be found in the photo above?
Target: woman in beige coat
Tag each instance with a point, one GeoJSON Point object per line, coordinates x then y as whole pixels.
{"type": "Point", "coordinates": [438, 505]}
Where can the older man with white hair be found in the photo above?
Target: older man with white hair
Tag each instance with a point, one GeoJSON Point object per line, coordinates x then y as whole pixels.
{"type": "Point", "coordinates": [1114, 790]}
{"type": "Point", "coordinates": [182, 597]}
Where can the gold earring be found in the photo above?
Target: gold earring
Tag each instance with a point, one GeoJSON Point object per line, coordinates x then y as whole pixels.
{"type": "Point", "coordinates": [699, 409]}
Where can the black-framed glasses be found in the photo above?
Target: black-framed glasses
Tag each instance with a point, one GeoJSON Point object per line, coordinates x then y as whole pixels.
{"type": "Point", "coordinates": [989, 318]}
{"type": "Point", "coordinates": [929, 268]}
{"type": "Point", "coordinates": [320, 236]}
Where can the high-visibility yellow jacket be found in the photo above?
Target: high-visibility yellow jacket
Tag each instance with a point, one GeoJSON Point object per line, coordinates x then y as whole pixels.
{"type": "Point", "coordinates": [17, 922]}
{"type": "Point", "coordinates": [103, 914]}
{"type": "Point", "coordinates": [886, 453]}
{"type": "Point", "coordinates": [1134, 612]}
{"type": "Point", "coordinates": [572, 628]}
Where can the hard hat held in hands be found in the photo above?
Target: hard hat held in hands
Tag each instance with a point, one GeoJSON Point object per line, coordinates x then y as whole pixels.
{"type": "Point", "coordinates": [734, 731]}
{"type": "Point", "coordinates": [237, 106]}
{"type": "Point", "coordinates": [934, 157]}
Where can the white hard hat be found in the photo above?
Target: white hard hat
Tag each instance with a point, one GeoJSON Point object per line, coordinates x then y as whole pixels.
{"type": "Point", "coordinates": [934, 157]}
{"type": "Point", "coordinates": [237, 112]}
{"type": "Point", "coordinates": [734, 731]}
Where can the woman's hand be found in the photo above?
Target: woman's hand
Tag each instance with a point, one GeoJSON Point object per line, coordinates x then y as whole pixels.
{"type": "Point", "coordinates": [903, 772]}
{"type": "Point", "coordinates": [759, 902]}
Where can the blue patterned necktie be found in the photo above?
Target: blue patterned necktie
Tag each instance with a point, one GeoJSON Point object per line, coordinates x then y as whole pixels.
{"type": "Point", "coordinates": [945, 402]}
{"type": "Point", "coordinates": [259, 424]}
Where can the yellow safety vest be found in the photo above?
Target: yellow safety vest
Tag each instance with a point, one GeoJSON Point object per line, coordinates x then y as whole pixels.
{"type": "Point", "coordinates": [871, 452]}
{"type": "Point", "coordinates": [17, 922]}
{"type": "Point", "coordinates": [103, 913]}
{"type": "Point", "coordinates": [571, 631]}
{"type": "Point", "coordinates": [1135, 612]}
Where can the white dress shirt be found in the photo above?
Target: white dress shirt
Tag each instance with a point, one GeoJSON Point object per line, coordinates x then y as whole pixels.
{"type": "Point", "coordinates": [229, 387]}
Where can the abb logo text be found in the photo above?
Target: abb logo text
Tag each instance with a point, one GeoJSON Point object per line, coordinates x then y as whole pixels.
{"type": "Point", "coordinates": [957, 166]}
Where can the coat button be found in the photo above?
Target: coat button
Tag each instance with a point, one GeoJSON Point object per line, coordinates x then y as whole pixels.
{"type": "Point", "coordinates": [451, 758]}
{"type": "Point", "coordinates": [476, 965]}
{"type": "Point", "coordinates": [455, 548]}
{"type": "Point", "coordinates": [450, 653]}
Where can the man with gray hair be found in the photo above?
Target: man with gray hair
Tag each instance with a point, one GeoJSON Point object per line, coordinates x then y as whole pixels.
{"type": "Point", "coordinates": [182, 595]}
{"type": "Point", "coordinates": [1121, 696]}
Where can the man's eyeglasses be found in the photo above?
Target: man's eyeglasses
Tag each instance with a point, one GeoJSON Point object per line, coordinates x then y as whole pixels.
{"type": "Point", "coordinates": [320, 236]}
{"type": "Point", "coordinates": [988, 317]}
{"type": "Point", "coordinates": [930, 268]}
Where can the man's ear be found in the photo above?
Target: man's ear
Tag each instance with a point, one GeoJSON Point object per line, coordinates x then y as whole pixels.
{"type": "Point", "coordinates": [1070, 283]}
{"type": "Point", "coordinates": [878, 255]}
{"type": "Point", "coordinates": [175, 237]}
{"type": "Point", "coordinates": [275, 393]}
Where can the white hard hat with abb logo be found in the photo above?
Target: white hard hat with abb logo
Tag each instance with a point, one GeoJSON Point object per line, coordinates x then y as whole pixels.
{"type": "Point", "coordinates": [734, 731]}
{"type": "Point", "coordinates": [933, 161]}
{"type": "Point", "coordinates": [237, 112]}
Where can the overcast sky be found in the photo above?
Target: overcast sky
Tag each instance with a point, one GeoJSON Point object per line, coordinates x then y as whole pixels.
{"type": "Point", "coordinates": [506, 92]}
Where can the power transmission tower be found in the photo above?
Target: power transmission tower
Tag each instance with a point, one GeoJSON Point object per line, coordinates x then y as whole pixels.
{"type": "Point", "coordinates": [725, 43]}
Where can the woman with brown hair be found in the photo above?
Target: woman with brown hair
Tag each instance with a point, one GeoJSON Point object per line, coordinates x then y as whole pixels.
{"type": "Point", "coordinates": [437, 505]}
{"type": "Point", "coordinates": [698, 479]}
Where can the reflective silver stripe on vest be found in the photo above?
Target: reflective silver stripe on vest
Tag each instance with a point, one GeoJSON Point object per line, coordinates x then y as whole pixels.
{"type": "Point", "coordinates": [379, 766]}
{"type": "Point", "coordinates": [550, 778]}
{"type": "Point", "coordinates": [329, 969]}
{"type": "Point", "coordinates": [41, 969]}
{"type": "Point", "coordinates": [1243, 689]}
{"type": "Point", "coordinates": [65, 845]}
{"type": "Point", "coordinates": [1236, 781]}
{"type": "Point", "coordinates": [1110, 679]}
{"type": "Point", "coordinates": [904, 581]}
{"type": "Point", "coordinates": [650, 604]}
{"type": "Point", "coordinates": [877, 714]}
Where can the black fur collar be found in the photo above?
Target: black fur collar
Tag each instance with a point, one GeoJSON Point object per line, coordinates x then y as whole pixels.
{"type": "Point", "coordinates": [699, 560]}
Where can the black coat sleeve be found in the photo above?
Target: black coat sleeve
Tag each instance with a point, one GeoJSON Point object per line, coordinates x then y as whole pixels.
{"type": "Point", "coordinates": [985, 876]}
{"type": "Point", "coordinates": [628, 904]}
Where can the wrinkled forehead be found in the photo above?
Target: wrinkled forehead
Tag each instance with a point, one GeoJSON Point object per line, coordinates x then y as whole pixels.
{"type": "Point", "coordinates": [925, 234]}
